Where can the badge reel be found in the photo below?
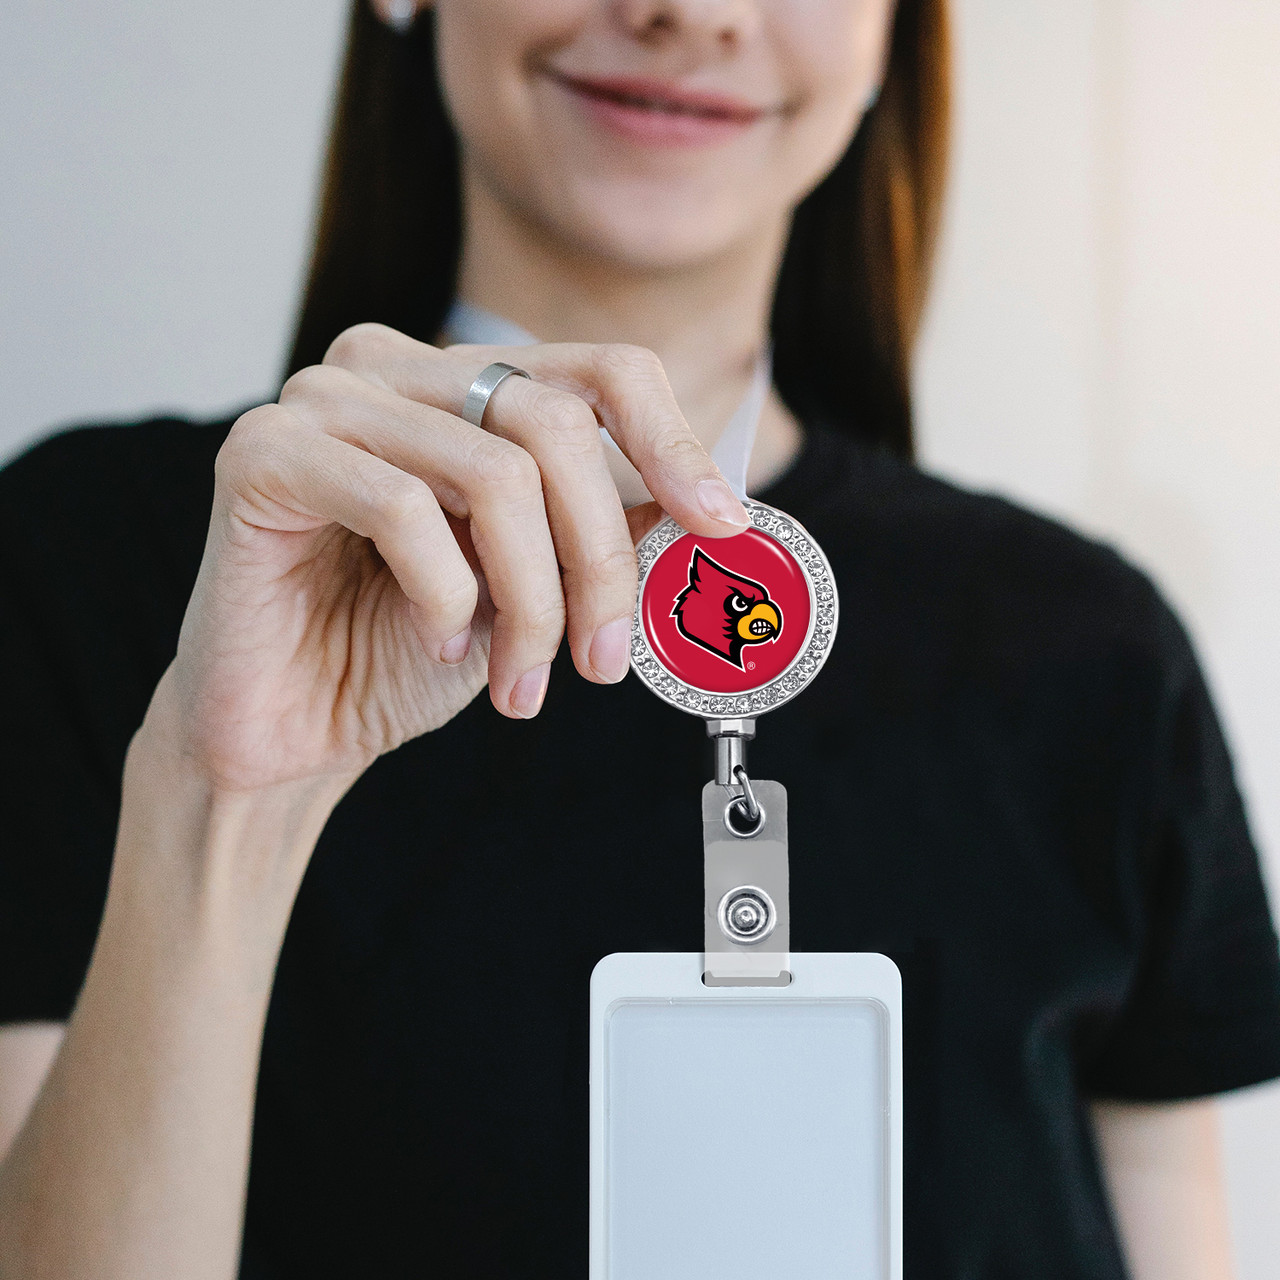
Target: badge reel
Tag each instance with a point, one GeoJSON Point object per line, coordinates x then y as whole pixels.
{"type": "Point", "coordinates": [746, 1104]}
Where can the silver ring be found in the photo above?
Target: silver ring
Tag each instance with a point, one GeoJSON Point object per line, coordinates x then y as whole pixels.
{"type": "Point", "coordinates": [484, 386]}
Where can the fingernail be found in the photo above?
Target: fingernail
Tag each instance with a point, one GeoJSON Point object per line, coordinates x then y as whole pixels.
{"type": "Point", "coordinates": [717, 500]}
{"type": "Point", "coordinates": [611, 650]}
{"type": "Point", "coordinates": [531, 688]}
{"type": "Point", "coordinates": [456, 649]}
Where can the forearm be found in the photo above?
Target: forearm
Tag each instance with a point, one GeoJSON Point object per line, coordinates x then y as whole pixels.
{"type": "Point", "coordinates": [133, 1161]}
{"type": "Point", "coordinates": [1162, 1164]}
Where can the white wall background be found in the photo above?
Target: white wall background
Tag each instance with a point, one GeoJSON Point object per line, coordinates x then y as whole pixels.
{"type": "Point", "coordinates": [1104, 343]}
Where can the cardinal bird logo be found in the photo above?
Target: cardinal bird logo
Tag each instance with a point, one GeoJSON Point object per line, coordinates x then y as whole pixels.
{"type": "Point", "coordinates": [723, 611]}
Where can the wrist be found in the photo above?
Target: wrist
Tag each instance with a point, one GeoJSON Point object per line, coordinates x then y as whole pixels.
{"type": "Point", "coordinates": [234, 856]}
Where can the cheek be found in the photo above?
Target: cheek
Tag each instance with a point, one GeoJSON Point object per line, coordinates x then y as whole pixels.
{"type": "Point", "coordinates": [483, 49]}
{"type": "Point", "coordinates": [833, 51]}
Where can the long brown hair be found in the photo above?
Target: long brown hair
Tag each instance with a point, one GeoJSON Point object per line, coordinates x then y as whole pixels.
{"type": "Point", "coordinates": [853, 279]}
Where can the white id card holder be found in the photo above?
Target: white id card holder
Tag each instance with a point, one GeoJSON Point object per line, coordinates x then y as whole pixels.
{"type": "Point", "coordinates": [746, 1101]}
{"type": "Point", "coordinates": [742, 1133]}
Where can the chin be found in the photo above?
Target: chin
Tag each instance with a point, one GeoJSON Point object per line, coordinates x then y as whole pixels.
{"type": "Point", "coordinates": [647, 231]}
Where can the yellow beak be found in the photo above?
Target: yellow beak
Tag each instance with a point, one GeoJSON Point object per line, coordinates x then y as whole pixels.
{"type": "Point", "coordinates": [762, 623]}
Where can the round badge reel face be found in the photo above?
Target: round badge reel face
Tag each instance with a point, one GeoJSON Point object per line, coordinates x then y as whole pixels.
{"type": "Point", "coordinates": [732, 627]}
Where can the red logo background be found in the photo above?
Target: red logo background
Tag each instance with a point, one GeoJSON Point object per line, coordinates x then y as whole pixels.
{"type": "Point", "coordinates": [751, 554]}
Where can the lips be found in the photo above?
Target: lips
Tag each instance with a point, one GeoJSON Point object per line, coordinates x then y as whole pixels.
{"type": "Point", "coordinates": [658, 96]}
{"type": "Point", "coordinates": [657, 114]}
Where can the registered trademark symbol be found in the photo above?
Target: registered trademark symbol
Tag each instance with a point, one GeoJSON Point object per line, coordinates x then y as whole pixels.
{"type": "Point", "coordinates": [751, 666]}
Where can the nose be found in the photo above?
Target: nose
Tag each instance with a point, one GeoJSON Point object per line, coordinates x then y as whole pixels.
{"type": "Point", "coordinates": [724, 25]}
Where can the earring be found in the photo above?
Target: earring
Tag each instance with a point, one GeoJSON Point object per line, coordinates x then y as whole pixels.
{"type": "Point", "coordinates": [400, 15]}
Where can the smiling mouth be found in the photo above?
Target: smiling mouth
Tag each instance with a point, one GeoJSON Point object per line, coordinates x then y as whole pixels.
{"type": "Point", "coordinates": [658, 106]}
{"type": "Point", "coordinates": [651, 104]}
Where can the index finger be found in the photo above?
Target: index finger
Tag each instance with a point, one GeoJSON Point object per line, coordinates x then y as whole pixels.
{"type": "Point", "coordinates": [627, 388]}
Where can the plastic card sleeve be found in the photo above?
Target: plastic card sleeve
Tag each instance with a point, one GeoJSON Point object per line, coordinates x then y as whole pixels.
{"type": "Point", "coordinates": [746, 1133]}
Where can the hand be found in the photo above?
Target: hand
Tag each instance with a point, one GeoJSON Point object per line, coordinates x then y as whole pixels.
{"type": "Point", "coordinates": [373, 559]}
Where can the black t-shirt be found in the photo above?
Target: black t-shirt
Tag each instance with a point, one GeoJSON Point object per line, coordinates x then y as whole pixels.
{"type": "Point", "coordinates": [1009, 778]}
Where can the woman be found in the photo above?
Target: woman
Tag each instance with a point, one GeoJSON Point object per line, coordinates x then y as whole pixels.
{"type": "Point", "coordinates": [1009, 778]}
